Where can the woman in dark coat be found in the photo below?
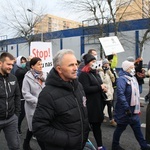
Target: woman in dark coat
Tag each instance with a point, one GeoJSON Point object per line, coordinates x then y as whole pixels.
{"type": "Point", "coordinates": [93, 88]}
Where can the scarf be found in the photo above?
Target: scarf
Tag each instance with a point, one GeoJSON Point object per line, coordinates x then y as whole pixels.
{"type": "Point", "coordinates": [38, 75]}
{"type": "Point", "coordinates": [135, 96]}
{"type": "Point", "coordinates": [86, 68]}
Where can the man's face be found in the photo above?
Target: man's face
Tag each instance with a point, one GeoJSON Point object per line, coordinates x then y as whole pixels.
{"type": "Point", "coordinates": [6, 66]}
{"type": "Point", "coordinates": [94, 53]}
{"type": "Point", "coordinates": [68, 67]}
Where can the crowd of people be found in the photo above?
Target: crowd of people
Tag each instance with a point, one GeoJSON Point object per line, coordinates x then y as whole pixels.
{"type": "Point", "coordinates": [64, 106]}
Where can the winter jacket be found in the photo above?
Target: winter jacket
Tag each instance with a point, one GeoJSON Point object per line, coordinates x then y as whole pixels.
{"type": "Point", "coordinates": [113, 65]}
{"type": "Point", "coordinates": [107, 78]}
{"type": "Point", "coordinates": [124, 92]}
{"type": "Point", "coordinates": [9, 96]}
{"type": "Point", "coordinates": [114, 62]}
{"type": "Point", "coordinates": [92, 86]}
{"type": "Point", "coordinates": [60, 119]}
{"type": "Point", "coordinates": [80, 68]}
{"type": "Point", "coordinates": [30, 90]}
{"type": "Point", "coordinates": [20, 73]}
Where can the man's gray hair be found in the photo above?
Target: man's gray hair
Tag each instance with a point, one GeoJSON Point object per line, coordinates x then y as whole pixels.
{"type": "Point", "coordinates": [60, 54]}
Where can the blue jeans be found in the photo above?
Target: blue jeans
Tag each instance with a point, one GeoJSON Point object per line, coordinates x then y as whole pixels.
{"type": "Point", "coordinates": [140, 88]}
{"type": "Point", "coordinates": [10, 128]}
{"type": "Point", "coordinates": [135, 125]}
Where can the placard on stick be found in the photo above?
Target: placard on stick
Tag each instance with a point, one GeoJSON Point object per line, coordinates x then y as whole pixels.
{"type": "Point", "coordinates": [111, 45]}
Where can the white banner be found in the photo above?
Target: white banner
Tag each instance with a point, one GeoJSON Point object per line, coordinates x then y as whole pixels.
{"type": "Point", "coordinates": [111, 45]}
{"type": "Point", "coordinates": [43, 50]}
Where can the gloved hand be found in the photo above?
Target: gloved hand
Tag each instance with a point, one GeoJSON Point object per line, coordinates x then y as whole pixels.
{"type": "Point", "coordinates": [128, 113]}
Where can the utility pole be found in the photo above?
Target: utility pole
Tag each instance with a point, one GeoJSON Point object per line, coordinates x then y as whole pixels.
{"type": "Point", "coordinates": [29, 10]}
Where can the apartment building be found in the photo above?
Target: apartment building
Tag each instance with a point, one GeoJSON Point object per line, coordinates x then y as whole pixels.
{"type": "Point", "coordinates": [132, 9]}
{"type": "Point", "coordinates": [50, 23]}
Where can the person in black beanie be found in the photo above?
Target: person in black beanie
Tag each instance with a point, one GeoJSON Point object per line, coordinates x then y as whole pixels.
{"type": "Point", "coordinates": [94, 89]}
{"type": "Point", "coordinates": [87, 58]}
{"type": "Point", "coordinates": [90, 51]}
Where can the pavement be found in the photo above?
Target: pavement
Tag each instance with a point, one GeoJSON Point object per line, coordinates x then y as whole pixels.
{"type": "Point", "coordinates": [127, 141]}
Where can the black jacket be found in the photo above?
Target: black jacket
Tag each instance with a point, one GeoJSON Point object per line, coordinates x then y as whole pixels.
{"type": "Point", "coordinates": [92, 86]}
{"type": "Point", "coordinates": [20, 73]}
{"type": "Point", "coordinates": [60, 119]}
{"type": "Point", "coordinates": [9, 96]}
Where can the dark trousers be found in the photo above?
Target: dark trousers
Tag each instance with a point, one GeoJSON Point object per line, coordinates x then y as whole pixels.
{"type": "Point", "coordinates": [10, 129]}
{"type": "Point", "coordinates": [109, 106]}
{"type": "Point", "coordinates": [136, 127]}
{"type": "Point", "coordinates": [97, 133]}
{"type": "Point", "coordinates": [22, 115]}
{"type": "Point", "coordinates": [114, 98]}
{"type": "Point", "coordinates": [29, 135]}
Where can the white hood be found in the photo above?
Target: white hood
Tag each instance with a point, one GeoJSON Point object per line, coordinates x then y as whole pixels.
{"type": "Point", "coordinates": [18, 61]}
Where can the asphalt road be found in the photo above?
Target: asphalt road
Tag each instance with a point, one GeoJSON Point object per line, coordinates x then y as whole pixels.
{"type": "Point", "coordinates": [127, 140]}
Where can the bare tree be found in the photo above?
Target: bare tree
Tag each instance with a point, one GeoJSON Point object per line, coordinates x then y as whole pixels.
{"type": "Point", "coordinates": [114, 11]}
{"type": "Point", "coordinates": [109, 11]}
{"type": "Point", "coordinates": [145, 9]}
{"type": "Point", "coordinates": [139, 6]}
{"type": "Point", "coordinates": [101, 12]}
{"type": "Point", "coordinates": [19, 21]}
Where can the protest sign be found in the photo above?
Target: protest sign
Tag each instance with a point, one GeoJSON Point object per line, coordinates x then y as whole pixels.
{"type": "Point", "coordinates": [43, 50]}
{"type": "Point", "coordinates": [111, 45]}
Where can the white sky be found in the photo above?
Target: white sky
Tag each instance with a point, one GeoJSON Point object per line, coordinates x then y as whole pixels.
{"type": "Point", "coordinates": [54, 7]}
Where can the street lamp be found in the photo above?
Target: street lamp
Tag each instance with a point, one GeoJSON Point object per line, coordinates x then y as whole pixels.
{"type": "Point", "coordinates": [29, 10]}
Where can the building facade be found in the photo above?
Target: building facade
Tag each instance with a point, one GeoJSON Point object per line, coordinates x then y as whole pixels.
{"type": "Point", "coordinates": [78, 39]}
{"type": "Point", "coordinates": [132, 9]}
{"type": "Point", "coordinates": [50, 23]}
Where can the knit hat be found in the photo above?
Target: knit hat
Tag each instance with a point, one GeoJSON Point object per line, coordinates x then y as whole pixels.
{"type": "Point", "coordinates": [126, 65]}
{"type": "Point", "coordinates": [131, 59]}
{"type": "Point", "coordinates": [105, 61]}
{"type": "Point", "coordinates": [87, 58]}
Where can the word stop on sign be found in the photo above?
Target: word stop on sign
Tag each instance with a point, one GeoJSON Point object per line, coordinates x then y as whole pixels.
{"type": "Point", "coordinates": [43, 54]}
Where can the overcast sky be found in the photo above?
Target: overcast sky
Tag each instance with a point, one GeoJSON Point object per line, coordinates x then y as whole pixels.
{"type": "Point", "coordinates": [54, 7]}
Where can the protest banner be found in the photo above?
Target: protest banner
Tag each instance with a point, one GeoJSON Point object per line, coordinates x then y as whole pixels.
{"type": "Point", "coordinates": [43, 50]}
{"type": "Point", "coordinates": [111, 45]}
